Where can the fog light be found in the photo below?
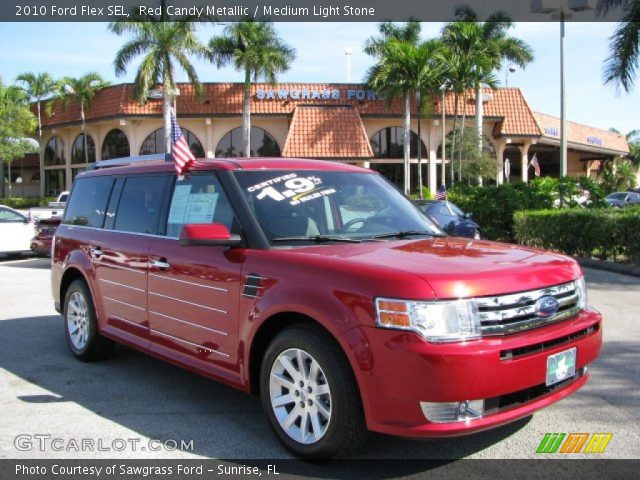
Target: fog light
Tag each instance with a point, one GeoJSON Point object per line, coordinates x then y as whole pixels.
{"type": "Point", "coordinates": [453, 411]}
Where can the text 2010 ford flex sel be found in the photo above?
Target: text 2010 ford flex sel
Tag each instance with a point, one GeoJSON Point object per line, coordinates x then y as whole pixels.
{"type": "Point", "coordinates": [321, 287]}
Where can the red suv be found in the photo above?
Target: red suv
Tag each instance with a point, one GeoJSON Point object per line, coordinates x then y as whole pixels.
{"type": "Point", "coordinates": [322, 288]}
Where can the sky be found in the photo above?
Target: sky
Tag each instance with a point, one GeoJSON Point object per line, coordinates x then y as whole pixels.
{"type": "Point", "coordinates": [72, 49]}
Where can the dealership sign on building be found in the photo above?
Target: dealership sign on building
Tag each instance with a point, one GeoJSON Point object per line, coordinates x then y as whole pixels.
{"type": "Point", "coordinates": [313, 94]}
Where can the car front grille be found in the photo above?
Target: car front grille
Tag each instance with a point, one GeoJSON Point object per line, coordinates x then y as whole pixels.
{"type": "Point", "coordinates": [504, 314]}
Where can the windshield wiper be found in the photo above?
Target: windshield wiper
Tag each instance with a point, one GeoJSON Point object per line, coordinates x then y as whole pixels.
{"type": "Point", "coordinates": [404, 233]}
{"type": "Point", "coordinates": [316, 239]}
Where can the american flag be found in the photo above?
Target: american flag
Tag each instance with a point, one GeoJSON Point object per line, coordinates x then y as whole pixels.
{"type": "Point", "coordinates": [536, 165]}
{"type": "Point", "coordinates": [182, 155]}
{"type": "Point", "coordinates": [441, 193]}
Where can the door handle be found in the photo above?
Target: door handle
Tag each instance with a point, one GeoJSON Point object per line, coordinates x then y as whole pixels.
{"type": "Point", "coordinates": [162, 264]}
{"type": "Point", "coordinates": [96, 252]}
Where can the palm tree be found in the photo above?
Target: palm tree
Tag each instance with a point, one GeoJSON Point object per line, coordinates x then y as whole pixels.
{"type": "Point", "coordinates": [403, 70]}
{"type": "Point", "coordinates": [82, 91]}
{"type": "Point", "coordinates": [163, 44]}
{"type": "Point", "coordinates": [253, 48]}
{"type": "Point", "coordinates": [38, 87]}
{"type": "Point", "coordinates": [620, 68]}
{"type": "Point", "coordinates": [408, 32]}
{"type": "Point", "coordinates": [486, 45]}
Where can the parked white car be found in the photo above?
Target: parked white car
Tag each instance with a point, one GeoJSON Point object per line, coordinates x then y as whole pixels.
{"type": "Point", "coordinates": [16, 231]}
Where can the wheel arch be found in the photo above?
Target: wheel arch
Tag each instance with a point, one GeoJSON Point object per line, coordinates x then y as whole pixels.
{"type": "Point", "coordinates": [271, 327]}
{"type": "Point", "coordinates": [68, 277]}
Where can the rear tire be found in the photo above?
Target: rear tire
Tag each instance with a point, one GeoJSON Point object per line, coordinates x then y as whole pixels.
{"type": "Point", "coordinates": [81, 324]}
{"type": "Point", "coordinates": [315, 411]}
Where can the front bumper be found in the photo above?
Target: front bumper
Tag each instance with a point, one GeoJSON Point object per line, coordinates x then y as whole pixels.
{"type": "Point", "coordinates": [507, 372]}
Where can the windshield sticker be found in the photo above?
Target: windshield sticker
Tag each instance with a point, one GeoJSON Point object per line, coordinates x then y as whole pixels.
{"type": "Point", "coordinates": [297, 189]}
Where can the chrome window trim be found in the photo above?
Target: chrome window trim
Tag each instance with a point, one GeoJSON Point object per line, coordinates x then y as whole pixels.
{"type": "Point", "coordinates": [220, 332]}
{"type": "Point", "coordinates": [119, 231]}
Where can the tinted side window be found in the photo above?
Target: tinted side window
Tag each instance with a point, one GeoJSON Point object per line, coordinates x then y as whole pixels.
{"type": "Point", "coordinates": [199, 199]}
{"type": "Point", "coordinates": [7, 216]}
{"type": "Point", "coordinates": [88, 202]}
{"type": "Point", "coordinates": [140, 204]}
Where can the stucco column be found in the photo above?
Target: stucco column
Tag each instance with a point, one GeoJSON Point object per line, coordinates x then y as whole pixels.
{"type": "Point", "coordinates": [500, 154]}
{"type": "Point", "coordinates": [433, 186]}
{"type": "Point", "coordinates": [524, 161]}
{"type": "Point", "coordinates": [210, 148]}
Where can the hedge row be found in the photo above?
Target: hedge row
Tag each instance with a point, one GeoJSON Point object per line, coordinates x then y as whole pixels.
{"type": "Point", "coordinates": [607, 233]}
{"type": "Point", "coordinates": [26, 202]}
{"type": "Point", "coordinates": [493, 207]}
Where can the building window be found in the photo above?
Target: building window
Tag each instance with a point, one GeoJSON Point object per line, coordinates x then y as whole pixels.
{"type": "Point", "coordinates": [77, 150]}
{"type": "Point", "coordinates": [155, 143]}
{"type": "Point", "coordinates": [389, 143]}
{"type": "Point", "coordinates": [262, 144]}
{"type": "Point", "coordinates": [54, 152]}
{"type": "Point", "coordinates": [115, 145]}
{"type": "Point", "coordinates": [53, 182]}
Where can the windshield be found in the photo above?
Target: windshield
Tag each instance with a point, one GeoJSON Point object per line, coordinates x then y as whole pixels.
{"type": "Point", "coordinates": [617, 196]}
{"type": "Point", "coordinates": [327, 204]}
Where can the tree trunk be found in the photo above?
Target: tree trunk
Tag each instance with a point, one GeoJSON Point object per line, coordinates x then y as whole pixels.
{"type": "Point", "coordinates": [2, 178]}
{"type": "Point", "coordinates": [246, 115]}
{"type": "Point", "coordinates": [479, 121]}
{"type": "Point", "coordinates": [453, 138]}
{"type": "Point", "coordinates": [166, 115]}
{"type": "Point", "coordinates": [40, 151]}
{"type": "Point", "coordinates": [418, 106]}
{"type": "Point", "coordinates": [84, 133]}
{"type": "Point", "coordinates": [407, 144]}
{"type": "Point", "coordinates": [461, 142]}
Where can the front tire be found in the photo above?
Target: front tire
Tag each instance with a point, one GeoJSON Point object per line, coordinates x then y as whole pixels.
{"type": "Point", "coordinates": [81, 324]}
{"type": "Point", "coordinates": [309, 394]}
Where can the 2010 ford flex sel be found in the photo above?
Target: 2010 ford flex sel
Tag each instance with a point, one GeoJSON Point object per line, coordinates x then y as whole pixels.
{"type": "Point", "coordinates": [322, 288]}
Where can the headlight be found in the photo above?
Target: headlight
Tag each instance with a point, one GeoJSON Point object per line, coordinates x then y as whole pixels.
{"type": "Point", "coordinates": [581, 290]}
{"type": "Point", "coordinates": [439, 321]}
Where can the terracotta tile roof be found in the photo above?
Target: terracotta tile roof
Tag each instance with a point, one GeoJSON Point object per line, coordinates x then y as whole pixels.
{"type": "Point", "coordinates": [507, 104]}
{"type": "Point", "coordinates": [327, 132]}
{"type": "Point", "coordinates": [508, 107]}
{"type": "Point", "coordinates": [582, 134]}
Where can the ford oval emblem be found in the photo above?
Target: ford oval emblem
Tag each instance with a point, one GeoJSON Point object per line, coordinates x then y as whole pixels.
{"type": "Point", "coordinates": [547, 307]}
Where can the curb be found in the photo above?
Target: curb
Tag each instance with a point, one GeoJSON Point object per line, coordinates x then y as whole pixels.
{"type": "Point", "coordinates": [622, 268]}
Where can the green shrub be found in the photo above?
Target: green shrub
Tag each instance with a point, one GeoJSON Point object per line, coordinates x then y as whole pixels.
{"type": "Point", "coordinates": [493, 207]}
{"type": "Point", "coordinates": [584, 232]}
{"type": "Point", "coordinates": [26, 202]}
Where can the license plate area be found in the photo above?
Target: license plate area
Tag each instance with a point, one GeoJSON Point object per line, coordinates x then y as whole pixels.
{"type": "Point", "coordinates": [560, 366]}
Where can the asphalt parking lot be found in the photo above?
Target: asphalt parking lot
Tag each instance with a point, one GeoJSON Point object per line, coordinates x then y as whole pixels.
{"type": "Point", "coordinates": [44, 390]}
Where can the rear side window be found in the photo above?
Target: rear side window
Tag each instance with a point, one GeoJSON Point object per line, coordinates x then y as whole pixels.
{"type": "Point", "coordinates": [88, 202]}
{"type": "Point", "coordinates": [140, 204]}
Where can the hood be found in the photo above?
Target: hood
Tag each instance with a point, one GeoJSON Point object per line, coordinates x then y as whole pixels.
{"type": "Point", "coordinates": [457, 267]}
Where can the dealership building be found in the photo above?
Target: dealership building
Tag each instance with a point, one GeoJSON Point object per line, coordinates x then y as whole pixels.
{"type": "Point", "coordinates": [339, 122]}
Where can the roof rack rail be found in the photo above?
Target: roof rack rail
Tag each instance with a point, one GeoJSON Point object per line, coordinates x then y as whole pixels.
{"type": "Point", "coordinates": [117, 162]}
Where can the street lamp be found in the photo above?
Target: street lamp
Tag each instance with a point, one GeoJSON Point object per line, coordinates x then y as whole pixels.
{"type": "Point", "coordinates": [558, 11]}
{"type": "Point", "coordinates": [348, 52]}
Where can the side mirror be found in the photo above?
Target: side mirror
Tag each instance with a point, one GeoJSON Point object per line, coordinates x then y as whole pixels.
{"type": "Point", "coordinates": [208, 234]}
